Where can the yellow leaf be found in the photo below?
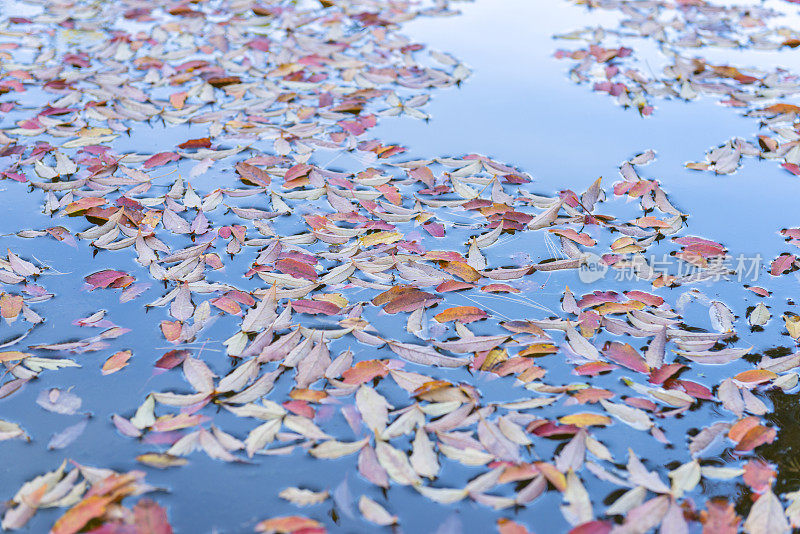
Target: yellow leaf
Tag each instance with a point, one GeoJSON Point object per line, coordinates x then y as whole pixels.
{"type": "Point", "coordinates": [380, 238]}
{"type": "Point", "coordinates": [585, 419]}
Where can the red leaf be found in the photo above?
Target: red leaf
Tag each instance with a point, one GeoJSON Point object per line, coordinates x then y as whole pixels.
{"type": "Point", "coordinates": [291, 524]}
{"type": "Point", "coordinates": [404, 299]}
{"type": "Point", "coordinates": [150, 518]}
{"type": "Point", "coordinates": [591, 395]}
{"type": "Point", "coordinates": [226, 304]}
{"type": "Point", "coordinates": [162, 158]}
{"type": "Point", "coordinates": [594, 368]}
{"type": "Point", "coordinates": [315, 307]}
{"type": "Point", "coordinates": [252, 174]}
{"type": "Point", "coordinates": [172, 359]}
{"type": "Point", "coordinates": [76, 517]}
{"type": "Point", "coordinates": [719, 517]}
{"type": "Point", "coordinates": [434, 228]}
{"type": "Point", "coordinates": [297, 269]}
{"type": "Point", "coordinates": [758, 475]}
{"type": "Point", "coordinates": [647, 298]}
{"type": "Point", "coordinates": [453, 285]}
{"type": "Point", "coordinates": [781, 264]}
{"type": "Point", "coordinates": [592, 527]}
{"type": "Point", "coordinates": [103, 279]}
{"type": "Point", "coordinates": [698, 391]}
{"type": "Point", "coordinates": [296, 171]}
{"type": "Point", "coordinates": [625, 355]}
{"type": "Point", "coordinates": [499, 288]}
{"type": "Point", "coordinates": [203, 142]}
{"type": "Point", "coordinates": [171, 330]}
{"type": "Point", "coordinates": [660, 375]}
{"type": "Point", "coordinates": [792, 168]}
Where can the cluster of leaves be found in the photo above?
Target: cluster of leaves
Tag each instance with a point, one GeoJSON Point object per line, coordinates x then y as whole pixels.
{"type": "Point", "coordinates": [93, 498]}
{"type": "Point", "coordinates": [680, 31]}
{"type": "Point", "coordinates": [312, 271]}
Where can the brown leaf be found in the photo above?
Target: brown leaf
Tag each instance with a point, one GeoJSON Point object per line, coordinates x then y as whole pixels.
{"type": "Point", "coordinates": [203, 142]}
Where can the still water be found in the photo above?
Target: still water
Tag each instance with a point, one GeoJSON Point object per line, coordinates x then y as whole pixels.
{"type": "Point", "coordinates": [519, 107]}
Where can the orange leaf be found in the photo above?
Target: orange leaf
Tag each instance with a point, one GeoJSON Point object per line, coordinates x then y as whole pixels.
{"type": "Point", "coordinates": [227, 304]}
{"type": "Point", "coordinates": [203, 142]}
{"type": "Point", "coordinates": [553, 475]}
{"type": "Point", "coordinates": [538, 349]}
{"type": "Point", "coordinates": [308, 395]}
{"type": "Point", "coordinates": [83, 204]}
{"type": "Point", "coordinates": [171, 330]}
{"type": "Point", "coordinates": [80, 514]}
{"type": "Point", "coordinates": [365, 371]}
{"type": "Point", "coordinates": [12, 355]}
{"type": "Point", "coordinates": [431, 385]}
{"type": "Point", "coordinates": [465, 314]}
{"type": "Point", "coordinates": [461, 270]}
{"type": "Point", "coordinates": [742, 426]}
{"type": "Point", "coordinates": [756, 436]}
{"type": "Point", "coordinates": [783, 108]}
{"type": "Point", "coordinates": [391, 294]}
{"type": "Point", "coordinates": [592, 395]}
{"type": "Point", "coordinates": [10, 306]}
{"type": "Point", "coordinates": [755, 376]}
{"type": "Point", "coordinates": [178, 99]}
{"type": "Point", "coordinates": [507, 526]}
{"type": "Point", "coordinates": [619, 307]}
{"type": "Point", "coordinates": [116, 362]}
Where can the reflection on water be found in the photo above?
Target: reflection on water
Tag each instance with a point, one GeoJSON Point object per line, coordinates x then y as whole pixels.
{"type": "Point", "coordinates": [519, 108]}
{"type": "Point", "coordinates": [785, 450]}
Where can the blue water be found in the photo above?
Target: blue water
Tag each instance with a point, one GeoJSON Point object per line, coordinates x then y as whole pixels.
{"type": "Point", "coordinates": [518, 107]}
